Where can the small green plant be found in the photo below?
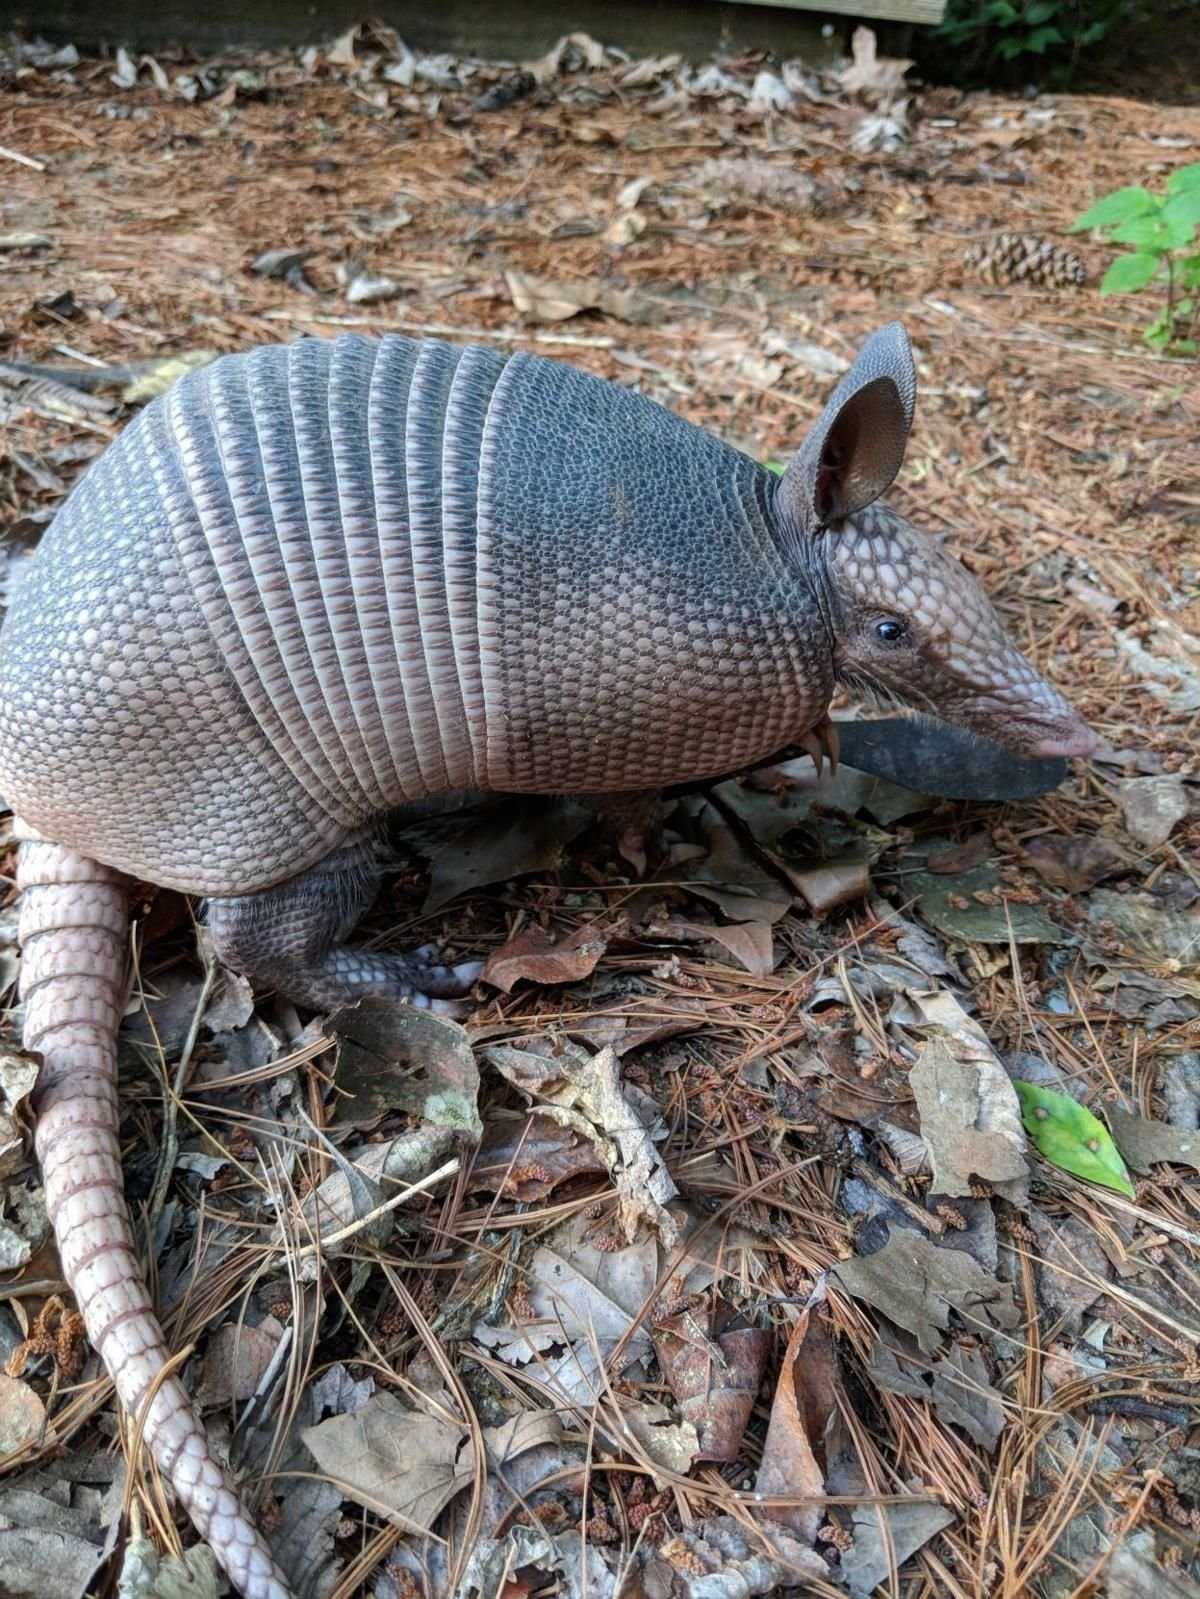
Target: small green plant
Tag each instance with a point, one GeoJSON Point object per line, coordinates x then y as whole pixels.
{"type": "Point", "coordinates": [1163, 235]}
{"type": "Point", "coordinates": [994, 31]}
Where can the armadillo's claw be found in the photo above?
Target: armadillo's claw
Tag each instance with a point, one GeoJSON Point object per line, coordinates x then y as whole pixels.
{"type": "Point", "coordinates": [821, 741]}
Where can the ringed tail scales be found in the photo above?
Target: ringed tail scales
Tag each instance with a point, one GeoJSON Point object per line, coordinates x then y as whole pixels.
{"type": "Point", "coordinates": [74, 930]}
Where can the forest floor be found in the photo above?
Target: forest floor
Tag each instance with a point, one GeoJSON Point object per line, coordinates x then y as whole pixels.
{"type": "Point", "coordinates": [743, 1269]}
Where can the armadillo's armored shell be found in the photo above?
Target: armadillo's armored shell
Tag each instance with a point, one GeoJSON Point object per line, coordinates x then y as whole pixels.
{"type": "Point", "coordinates": [315, 581]}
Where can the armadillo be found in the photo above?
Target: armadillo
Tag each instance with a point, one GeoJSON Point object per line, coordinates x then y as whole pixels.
{"type": "Point", "coordinates": [313, 583]}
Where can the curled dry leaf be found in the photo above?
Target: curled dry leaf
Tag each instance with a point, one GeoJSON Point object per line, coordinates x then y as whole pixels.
{"type": "Point", "coordinates": [803, 1410]}
{"type": "Point", "coordinates": [873, 76]}
{"type": "Point", "coordinates": [18, 1074]}
{"type": "Point", "coordinates": [551, 300]}
{"type": "Point", "coordinates": [401, 1161]}
{"type": "Point", "coordinates": [584, 1092]}
{"type": "Point", "coordinates": [533, 958]}
{"type": "Point", "coordinates": [970, 1113]}
{"type": "Point", "coordinates": [527, 1157]}
{"type": "Point", "coordinates": [392, 1056]}
{"type": "Point", "coordinates": [916, 1284]}
{"type": "Point", "coordinates": [714, 1375]}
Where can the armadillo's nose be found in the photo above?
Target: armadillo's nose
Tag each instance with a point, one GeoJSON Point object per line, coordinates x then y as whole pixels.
{"type": "Point", "coordinates": [1071, 742]}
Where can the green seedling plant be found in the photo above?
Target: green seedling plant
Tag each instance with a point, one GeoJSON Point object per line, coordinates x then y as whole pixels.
{"type": "Point", "coordinates": [1162, 232]}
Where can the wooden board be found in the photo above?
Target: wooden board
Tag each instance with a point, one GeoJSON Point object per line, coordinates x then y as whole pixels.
{"type": "Point", "coordinates": [928, 12]}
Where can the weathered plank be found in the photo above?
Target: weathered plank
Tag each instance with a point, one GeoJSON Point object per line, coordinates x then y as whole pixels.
{"type": "Point", "coordinates": [928, 12]}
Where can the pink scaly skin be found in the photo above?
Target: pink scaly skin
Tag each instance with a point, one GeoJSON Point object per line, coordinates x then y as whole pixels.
{"type": "Point", "coordinates": [74, 933]}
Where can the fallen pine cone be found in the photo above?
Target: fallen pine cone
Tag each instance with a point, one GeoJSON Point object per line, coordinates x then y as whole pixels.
{"type": "Point", "coordinates": [1025, 258]}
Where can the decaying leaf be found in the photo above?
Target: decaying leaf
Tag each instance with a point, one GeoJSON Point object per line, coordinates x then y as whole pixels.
{"type": "Point", "coordinates": [972, 909]}
{"type": "Point", "coordinates": [1144, 1142]}
{"type": "Point", "coordinates": [956, 1383]}
{"type": "Point", "coordinates": [970, 1114]}
{"type": "Point", "coordinates": [1075, 864]}
{"type": "Point", "coordinates": [584, 1092]}
{"type": "Point", "coordinates": [550, 300]}
{"type": "Point", "coordinates": [409, 1464]}
{"type": "Point", "coordinates": [916, 1284]}
{"type": "Point", "coordinates": [48, 1550]}
{"type": "Point", "coordinates": [1146, 931]}
{"type": "Point", "coordinates": [1067, 1135]}
{"type": "Point", "coordinates": [714, 1375]}
{"type": "Point", "coordinates": [722, 1559]}
{"type": "Point", "coordinates": [533, 957]}
{"type": "Point", "coordinates": [867, 1563]}
{"type": "Point", "coordinates": [401, 1161]}
{"type": "Point", "coordinates": [18, 1074]}
{"type": "Point", "coordinates": [803, 1411]}
{"type": "Point", "coordinates": [235, 1361]}
{"type": "Point", "coordinates": [527, 1157]}
{"type": "Point", "coordinates": [578, 1566]}
{"type": "Point", "coordinates": [22, 1416]}
{"type": "Point", "coordinates": [392, 1056]}
{"type": "Point", "coordinates": [673, 1445]}
{"type": "Point", "coordinates": [147, 1574]}
{"type": "Point", "coordinates": [1152, 807]}
{"type": "Point", "coordinates": [1071, 1268]}
{"type": "Point", "coordinates": [582, 1300]}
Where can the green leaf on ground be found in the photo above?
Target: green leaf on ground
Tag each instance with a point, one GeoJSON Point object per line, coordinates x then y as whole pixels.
{"type": "Point", "coordinates": [1067, 1135]}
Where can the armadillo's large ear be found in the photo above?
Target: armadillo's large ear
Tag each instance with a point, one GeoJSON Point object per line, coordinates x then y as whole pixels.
{"type": "Point", "coordinates": [853, 454]}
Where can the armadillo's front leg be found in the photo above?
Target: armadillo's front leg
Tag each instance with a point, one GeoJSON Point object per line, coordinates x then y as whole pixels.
{"type": "Point", "coordinates": [74, 935]}
{"type": "Point", "coordinates": [289, 938]}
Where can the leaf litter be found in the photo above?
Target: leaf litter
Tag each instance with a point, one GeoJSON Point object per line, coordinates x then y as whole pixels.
{"type": "Point", "coordinates": [784, 1039]}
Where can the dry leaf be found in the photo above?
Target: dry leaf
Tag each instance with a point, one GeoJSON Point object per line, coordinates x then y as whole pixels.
{"type": "Point", "coordinates": [867, 1563]}
{"type": "Point", "coordinates": [527, 1157]}
{"type": "Point", "coordinates": [805, 1404]}
{"type": "Point", "coordinates": [722, 1559]}
{"type": "Point", "coordinates": [1144, 1142]}
{"type": "Point", "coordinates": [1075, 864]}
{"type": "Point", "coordinates": [871, 75]}
{"type": "Point", "coordinates": [236, 1360]}
{"type": "Point", "coordinates": [672, 1445]}
{"type": "Point", "coordinates": [551, 300]}
{"type": "Point", "coordinates": [533, 958]}
{"type": "Point", "coordinates": [22, 1416]}
{"type": "Point", "coordinates": [969, 1110]}
{"type": "Point", "coordinates": [916, 1284]}
{"type": "Point", "coordinates": [392, 1056]}
{"type": "Point", "coordinates": [409, 1464]}
{"type": "Point", "coordinates": [584, 1092]}
{"type": "Point", "coordinates": [714, 1376]}
{"type": "Point", "coordinates": [1152, 806]}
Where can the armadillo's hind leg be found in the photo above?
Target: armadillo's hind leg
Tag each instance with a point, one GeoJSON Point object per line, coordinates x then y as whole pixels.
{"type": "Point", "coordinates": [290, 938]}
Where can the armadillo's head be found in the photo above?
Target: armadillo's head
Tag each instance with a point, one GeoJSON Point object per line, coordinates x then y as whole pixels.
{"type": "Point", "coordinates": [909, 623]}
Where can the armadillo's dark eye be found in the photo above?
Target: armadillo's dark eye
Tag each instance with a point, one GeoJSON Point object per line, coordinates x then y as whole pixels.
{"type": "Point", "coordinates": [890, 631]}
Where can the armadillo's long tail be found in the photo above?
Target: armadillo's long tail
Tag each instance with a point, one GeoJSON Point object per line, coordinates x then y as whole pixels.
{"type": "Point", "coordinates": [74, 933]}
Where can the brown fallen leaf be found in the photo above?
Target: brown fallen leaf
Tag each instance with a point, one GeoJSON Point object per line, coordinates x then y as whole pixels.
{"type": "Point", "coordinates": [392, 1056]}
{"type": "Point", "coordinates": [1144, 1142]}
{"type": "Point", "coordinates": [956, 858]}
{"type": "Point", "coordinates": [1075, 864]}
{"type": "Point", "coordinates": [958, 1384]}
{"type": "Point", "coordinates": [970, 1114]}
{"type": "Point", "coordinates": [802, 1412]}
{"type": "Point", "coordinates": [870, 74]}
{"type": "Point", "coordinates": [833, 883]}
{"type": "Point", "coordinates": [408, 1464]}
{"type": "Point", "coordinates": [916, 1284]}
{"type": "Point", "coordinates": [714, 1375]}
{"type": "Point", "coordinates": [552, 300]}
{"type": "Point", "coordinates": [533, 958]}
{"type": "Point", "coordinates": [751, 944]}
{"type": "Point", "coordinates": [584, 1092]}
{"type": "Point", "coordinates": [527, 1157]}
{"type": "Point", "coordinates": [235, 1361]}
